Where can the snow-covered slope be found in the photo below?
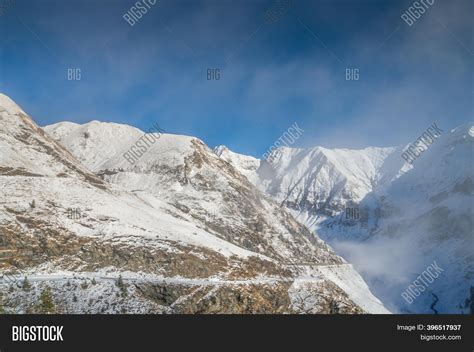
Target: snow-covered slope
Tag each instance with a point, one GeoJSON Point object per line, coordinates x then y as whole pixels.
{"type": "Point", "coordinates": [183, 172]}
{"type": "Point", "coordinates": [82, 140]}
{"type": "Point", "coordinates": [318, 183]}
{"type": "Point", "coordinates": [425, 216]}
{"type": "Point", "coordinates": [35, 167]}
{"type": "Point", "coordinates": [179, 213]}
{"type": "Point", "coordinates": [409, 216]}
{"type": "Point", "coordinates": [246, 165]}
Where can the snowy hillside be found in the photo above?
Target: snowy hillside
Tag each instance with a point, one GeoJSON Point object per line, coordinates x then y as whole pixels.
{"type": "Point", "coordinates": [408, 216]}
{"type": "Point", "coordinates": [246, 165]}
{"type": "Point", "coordinates": [425, 215]}
{"type": "Point", "coordinates": [180, 231]}
{"type": "Point", "coordinates": [183, 172]}
{"type": "Point", "coordinates": [318, 183]}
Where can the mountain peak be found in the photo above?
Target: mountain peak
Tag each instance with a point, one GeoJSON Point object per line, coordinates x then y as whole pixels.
{"type": "Point", "coordinates": [464, 129]}
{"type": "Point", "coordinates": [220, 149]}
{"type": "Point", "coordinates": [7, 104]}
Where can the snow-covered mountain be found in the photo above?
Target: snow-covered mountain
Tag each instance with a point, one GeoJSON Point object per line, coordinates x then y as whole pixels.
{"type": "Point", "coordinates": [317, 183]}
{"type": "Point", "coordinates": [179, 230]}
{"type": "Point", "coordinates": [408, 216]}
{"type": "Point", "coordinates": [423, 216]}
{"type": "Point", "coordinates": [183, 172]}
{"type": "Point", "coordinates": [246, 165]}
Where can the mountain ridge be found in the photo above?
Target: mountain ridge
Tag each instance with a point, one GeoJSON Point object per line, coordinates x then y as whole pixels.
{"type": "Point", "coordinates": [68, 227]}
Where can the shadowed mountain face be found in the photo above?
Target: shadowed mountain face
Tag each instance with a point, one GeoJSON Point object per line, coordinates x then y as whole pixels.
{"type": "Point", "coordinates": [425, 216]}
{"type": "Point", "coordinates": [390, 218]}
{"type": "Point", "coordinates": [177, 231]}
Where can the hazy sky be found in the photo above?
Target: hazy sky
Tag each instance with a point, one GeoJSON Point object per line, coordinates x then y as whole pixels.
{"type": "Point", "coordinates": [271, 74]}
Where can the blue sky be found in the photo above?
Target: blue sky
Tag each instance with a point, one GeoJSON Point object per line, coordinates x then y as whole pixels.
{"type": "Point", "coordinates": [272, 74]}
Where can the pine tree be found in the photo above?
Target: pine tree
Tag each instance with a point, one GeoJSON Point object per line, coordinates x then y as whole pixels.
{"type": "Point", "coordinates": [46, 304]}
{"type": "Point", "coordinates": [26, 284]}
{"type": "Point", "coordinates": [121, 285]}
{"type": "Point", "coordinates": [333, 307]}
{"type": "Point", "coordinates": [2, 309]}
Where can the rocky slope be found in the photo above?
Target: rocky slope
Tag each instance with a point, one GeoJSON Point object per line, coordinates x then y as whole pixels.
{"type": "Point", "coordinates": [179, 231]}
{"type": "Point", "coordinates": [246, 165]}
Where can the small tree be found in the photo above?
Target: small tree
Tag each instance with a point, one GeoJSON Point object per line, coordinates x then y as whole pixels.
{"type": "Point", "coordinates": [46, 304]}
{"type": "Point", "coordinates": [120, 282]}
{"type": "Point", "coordinates": [334, 307]}
{"type": "Point", "coordinates": [26, 284]}
{"type": "Point", "coordinates": [121, 285]}
{"type": "Point", "coordinates": [2, 309]}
